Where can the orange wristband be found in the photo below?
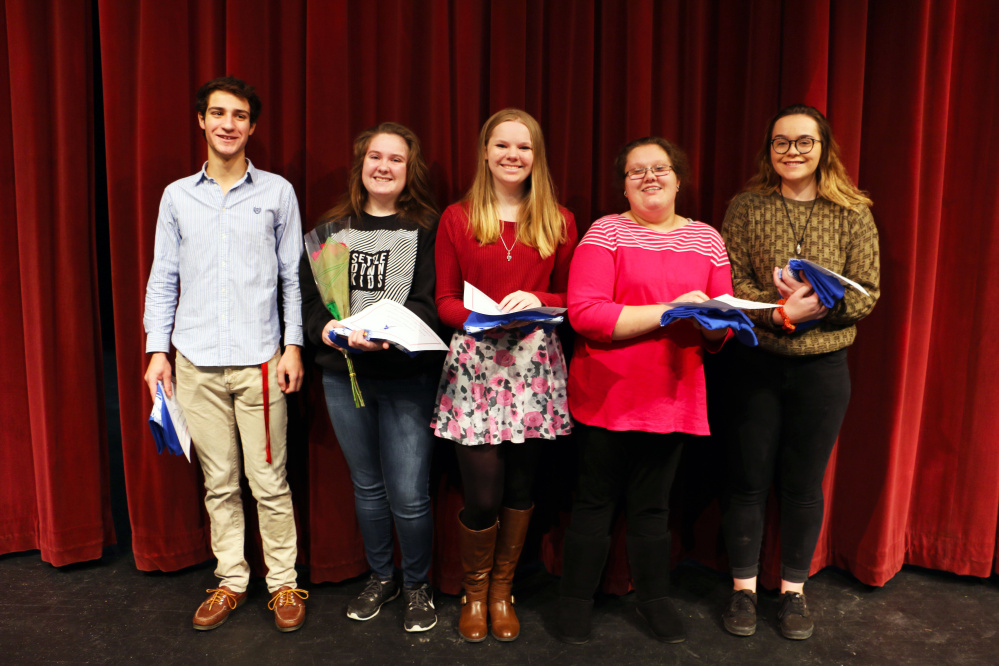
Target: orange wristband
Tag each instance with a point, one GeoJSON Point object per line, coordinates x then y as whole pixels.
{"type": "Point", "coordinates": [788, 326]}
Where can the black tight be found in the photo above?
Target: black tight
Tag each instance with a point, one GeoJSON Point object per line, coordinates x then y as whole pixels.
{"type": "Point", "coordinates": [495, 475]}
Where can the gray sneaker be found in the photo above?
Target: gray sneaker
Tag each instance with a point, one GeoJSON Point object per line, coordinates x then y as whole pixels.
{"type": "Point", "coordinates": [370, 600]}
{"type": "Point", "coordinates": [420, 612]}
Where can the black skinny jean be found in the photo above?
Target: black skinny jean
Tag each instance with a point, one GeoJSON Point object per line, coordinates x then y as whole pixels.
{"type": "Point", "coordinates": [786, 415]}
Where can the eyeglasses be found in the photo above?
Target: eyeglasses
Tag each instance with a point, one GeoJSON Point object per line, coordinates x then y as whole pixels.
{"type": "Point", "coordinates": [658, 170]}
{"type": "Point", "coordinates": [804, 144]}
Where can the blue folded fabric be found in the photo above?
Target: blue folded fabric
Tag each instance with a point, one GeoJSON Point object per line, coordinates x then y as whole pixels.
{"type": "Point", "coordinates": [713, 319]}
{"type": "Point", "coordinates": [829, 290]}
{"type": "Point", "coordinates": [341, 342]}
{"type": "Point", "coordinates": [162, 426]}
{"type": "Point", "coordinates": [477, 323]}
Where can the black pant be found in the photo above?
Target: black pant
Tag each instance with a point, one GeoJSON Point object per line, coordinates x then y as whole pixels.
{"type": "Point", "coordinates": [636, 468]}
{"type": "Point", "coordinates": [786, 413]}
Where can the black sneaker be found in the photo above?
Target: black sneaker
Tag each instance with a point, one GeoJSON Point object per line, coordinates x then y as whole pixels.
{"type": "Point", "coordinates": [370, 600]}
{"type": "Point", "coordinates": [421, 614]}
{"type": "Point", "coordinates": [793, 616]}
{"type": "Point", "coordinates": [740, 616]}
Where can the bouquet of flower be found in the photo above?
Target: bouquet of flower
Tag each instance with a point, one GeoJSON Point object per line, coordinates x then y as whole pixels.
{"type": "Point", "coordinates": [329, 258]}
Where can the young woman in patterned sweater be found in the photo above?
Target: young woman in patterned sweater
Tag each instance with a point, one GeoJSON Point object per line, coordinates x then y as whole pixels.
{"type": "Point", "coordinates": [788, 396]}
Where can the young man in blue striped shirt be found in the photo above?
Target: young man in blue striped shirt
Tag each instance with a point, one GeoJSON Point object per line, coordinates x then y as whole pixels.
{"type": "Point", "coordinates": [227, 238]}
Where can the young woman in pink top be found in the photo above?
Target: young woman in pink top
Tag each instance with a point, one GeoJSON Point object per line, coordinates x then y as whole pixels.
{"type": "Point", "coordinates": [502, 393]}
{"type": "Point", "coordinates": [636, 389]}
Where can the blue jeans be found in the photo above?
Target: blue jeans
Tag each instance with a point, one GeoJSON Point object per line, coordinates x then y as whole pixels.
{"type": "Point", "coordinates": [388, 445]}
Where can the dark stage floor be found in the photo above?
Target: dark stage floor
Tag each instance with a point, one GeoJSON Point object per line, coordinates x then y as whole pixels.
{"type": "Point", "coordinates": [108, 612]}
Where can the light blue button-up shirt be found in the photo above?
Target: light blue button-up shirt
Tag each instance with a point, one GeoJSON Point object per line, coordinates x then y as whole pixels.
{"type": "Point", "coordinates": [225, 255]}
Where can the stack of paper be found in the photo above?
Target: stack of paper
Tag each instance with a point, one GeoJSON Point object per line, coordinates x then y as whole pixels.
{"type": "Point", "coordinates": [392, 322]}
{"type": "Point", "coordinates": [486, 314]}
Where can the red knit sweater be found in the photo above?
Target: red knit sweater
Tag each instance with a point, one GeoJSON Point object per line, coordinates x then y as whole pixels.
{"type": "Point", "coordinates": [461, 259]}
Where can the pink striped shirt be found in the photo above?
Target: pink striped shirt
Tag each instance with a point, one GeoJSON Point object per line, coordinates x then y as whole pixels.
{"type": "Point", "coordinates": [654, 382]}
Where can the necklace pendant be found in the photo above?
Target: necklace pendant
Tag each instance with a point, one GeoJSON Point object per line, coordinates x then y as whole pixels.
{"type": "Point", "coordinates": [797, 250]}
{"type": "Point", "coordinates": [508, 257]}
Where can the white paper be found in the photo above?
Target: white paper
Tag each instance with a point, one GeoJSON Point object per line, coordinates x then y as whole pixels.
{"type": "Point", "coordinates": [476, 301]}
{"type": "Point", "coordinates": [725, 302]}
{"type": "Point", "coordinates": [842, 280]}
{"type": "Point", "coordinates": [176, 416]}
{"type": "Point", "coordinates": [392, 322]}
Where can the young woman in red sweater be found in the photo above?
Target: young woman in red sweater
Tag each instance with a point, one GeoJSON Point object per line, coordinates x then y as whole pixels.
{"type": "Point", "coordinates": [499, 395]}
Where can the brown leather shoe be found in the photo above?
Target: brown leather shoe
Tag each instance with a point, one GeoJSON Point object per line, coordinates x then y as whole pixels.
{"type": "Point", "coordinates": [215, 610]}
{"type": "Point", "coordinates": [509, 542]}
{"type": "Point", "coordinates": [477, 560]}
{"type": "Point", "coordinates": [288, 607]}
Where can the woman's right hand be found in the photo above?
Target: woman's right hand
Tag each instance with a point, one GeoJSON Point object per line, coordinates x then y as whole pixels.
{"type": "Point", "coordinates": [333, 323]}
{"type": "Point", "coordinates": [804, 305]}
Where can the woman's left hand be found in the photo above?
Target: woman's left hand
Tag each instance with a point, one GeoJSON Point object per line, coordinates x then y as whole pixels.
{"type": "Point", "coordinates": [519, 300]}
{"type": "Point", "coordinates": [358, 340]}
{"type": "Point", "coordinates": [787, 285]}
{"type": "Point", "coordinates": [696, 296]}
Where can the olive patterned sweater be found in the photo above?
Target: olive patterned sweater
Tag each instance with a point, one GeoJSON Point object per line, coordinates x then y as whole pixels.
{"type": "Point", "coordinates": [759, 237]}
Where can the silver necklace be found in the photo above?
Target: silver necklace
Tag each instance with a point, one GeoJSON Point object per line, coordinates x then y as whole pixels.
{"type": "Point", "coordinates": [509, 250]}
{"type": "Point", "coordinates": [794, 233]}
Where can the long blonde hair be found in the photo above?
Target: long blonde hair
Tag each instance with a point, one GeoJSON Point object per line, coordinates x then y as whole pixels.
{"type": "Point", "coordinates": [833, 182]}
{"type": "Point", "coordinates": [540, 223]}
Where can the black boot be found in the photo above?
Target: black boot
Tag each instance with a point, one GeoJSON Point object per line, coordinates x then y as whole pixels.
{"type": "Point", "coordinates": [583, 560]}
{"type": "Point", "coordinates": [649, 559]}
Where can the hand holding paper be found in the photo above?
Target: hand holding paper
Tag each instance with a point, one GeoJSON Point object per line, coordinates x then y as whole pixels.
{"type": "Point", "coordinates": [486, 314]}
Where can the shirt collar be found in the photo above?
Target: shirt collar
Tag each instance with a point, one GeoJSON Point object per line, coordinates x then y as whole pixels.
{"type": "Point", "coordinates": [250, 176]}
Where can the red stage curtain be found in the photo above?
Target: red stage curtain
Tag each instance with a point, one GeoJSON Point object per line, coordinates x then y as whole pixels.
{"type": "Point", "coordinates": [908, 87]}
{"type": "Point", "coordinates": [54, 493]}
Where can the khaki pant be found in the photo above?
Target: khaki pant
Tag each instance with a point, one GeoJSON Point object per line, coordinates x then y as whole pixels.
{"type": "Point", "coordinates": [223, 407]}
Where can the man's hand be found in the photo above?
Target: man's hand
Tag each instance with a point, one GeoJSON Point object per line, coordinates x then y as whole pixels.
{"type": "Point", "coordinates": [158, 370]}
{"type": "Point", "coordinates": [289, 369]}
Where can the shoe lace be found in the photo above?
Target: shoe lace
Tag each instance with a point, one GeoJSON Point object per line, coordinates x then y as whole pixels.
{"type": "Point", "coordinates": [287, 598]}
{"type": "Point", "coordinates": [795, 604]}
{"type": "Point", "coordinates": [372, 591]}
{"type": "Point", "coordinates": [220, 597]}
{"type": "Point", "coordinates": [741, 601]}
{"type": "Point", "coordinates": [418, 599]}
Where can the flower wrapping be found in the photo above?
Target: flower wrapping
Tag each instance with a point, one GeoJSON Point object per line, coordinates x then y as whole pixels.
{"type": "Point", "coordinates": [329, 258]}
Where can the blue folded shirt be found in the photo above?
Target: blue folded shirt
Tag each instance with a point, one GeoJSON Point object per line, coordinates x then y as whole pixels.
{"type": "Point", "coordinates": [477, 323]}
{"type": "Point", "coordinates": [829, 290]}
{"type": "Point", "coordinates": [713, 319]}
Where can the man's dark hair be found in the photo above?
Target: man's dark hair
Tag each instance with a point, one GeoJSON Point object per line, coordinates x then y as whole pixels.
{"type": "Point", "coordinates": [233, 86]}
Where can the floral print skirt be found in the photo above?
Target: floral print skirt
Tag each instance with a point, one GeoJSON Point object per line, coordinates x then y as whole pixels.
{"type": "Point", "coordinates": [509, 386]}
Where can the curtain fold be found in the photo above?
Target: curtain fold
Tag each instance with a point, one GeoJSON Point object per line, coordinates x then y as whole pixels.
{"type": "Point", "coordinates": [54, 472]}
{"type": "Point", "coordinates": [908, 88]}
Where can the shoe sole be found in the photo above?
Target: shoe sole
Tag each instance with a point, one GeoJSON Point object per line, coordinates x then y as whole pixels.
{"type": "Point", "coordinates": [355, 616]}
{"type": "Point", "coordinates": [209, 627]}
{"type": "Point", "coordinates": [417, 629]}
{"type": "Point", "coordinates": [471, 640]}
{"type": "Point", "coordinates": [662, 639]}
{"type": "Point", "coordinates": [740, 631]}
{"type": "Point", "coordinates": [797, 635]}
{"type": "Point", "coordinates": [287, 629]}
{"type": "Point", "coordinates": [505, 640]}
{"type": "Point", "coordinates": [574, 640]}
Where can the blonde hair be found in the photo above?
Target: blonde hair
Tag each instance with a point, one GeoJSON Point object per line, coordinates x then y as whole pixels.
{"type": "Point", "coordinates": [540, 223]}
{"type": "Point", "coordinates": [831, 178]}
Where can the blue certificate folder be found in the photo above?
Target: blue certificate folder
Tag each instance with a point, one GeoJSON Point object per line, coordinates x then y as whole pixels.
{"type": "Point", "coordinates": [713, 318]}
{"type": "Point", "coordinates": [169, 430]}
{"type": "Point", "coordinates": [478, 323]}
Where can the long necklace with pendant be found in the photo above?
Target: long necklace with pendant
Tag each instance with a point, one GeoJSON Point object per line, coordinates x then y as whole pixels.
{"type": "Point", "coordinates": [794, 233]}
{"type": "Point", "coordinates": [509, 250]}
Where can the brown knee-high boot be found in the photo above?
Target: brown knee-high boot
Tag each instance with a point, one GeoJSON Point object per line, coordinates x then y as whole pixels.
{"type": "Point", "coordinates": [477, 560]}
{"type": "Point", "coordinates": [512, 532]}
